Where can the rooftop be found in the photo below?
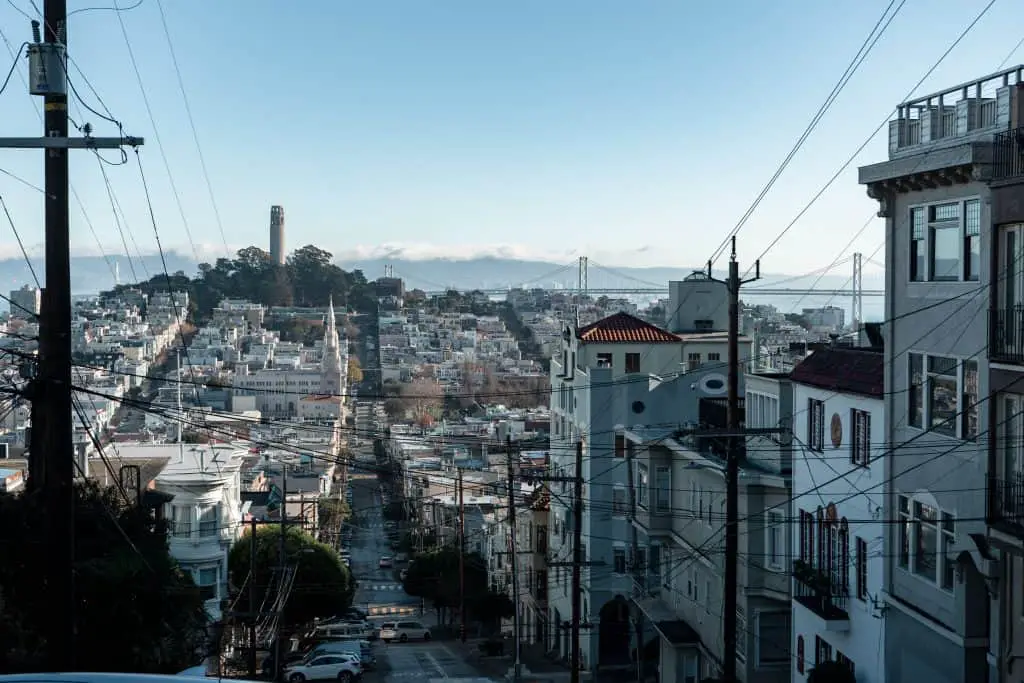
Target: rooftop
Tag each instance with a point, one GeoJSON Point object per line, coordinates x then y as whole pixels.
{"type": "Point", "coordinates": [958, 114]}
{"type": "Point", "coordinates": [849, 371]}
{"type": "Point", "coordinates": [623, 328]}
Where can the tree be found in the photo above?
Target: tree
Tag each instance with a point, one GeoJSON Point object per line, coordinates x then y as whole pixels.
{"type": "Point", "coordinates": [491, 607]}
{"type": "Point", "coordinates": [323, 586]}
{"type": "Point", "coordinates": [831, 672]}
{"type": "Point", "coordinates": [129, 590]}
{"type": "Point", "coordinates": [394, 407]}
{"type": "Point", "coordinates": [307, 279]}
{"type": "Point", "coordinates": [355, 371]}
{"type": "Point", "coordinates": [434, 576]}
{"type": "Point", "coordinates": [422, 397]}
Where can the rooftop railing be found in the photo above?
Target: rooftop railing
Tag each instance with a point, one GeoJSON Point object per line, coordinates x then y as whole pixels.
{"type": "Point", "coordinates": [967, 110]}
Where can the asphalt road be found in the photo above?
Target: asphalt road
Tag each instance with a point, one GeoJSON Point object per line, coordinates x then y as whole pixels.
{"type": "Point", "coordinates": [380, 592]}
{"type": "Point", "coordinates": [381, 595]}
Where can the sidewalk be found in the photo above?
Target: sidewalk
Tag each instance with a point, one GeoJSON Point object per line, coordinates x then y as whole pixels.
{"type": "Point", "coordinates": [532, 658]}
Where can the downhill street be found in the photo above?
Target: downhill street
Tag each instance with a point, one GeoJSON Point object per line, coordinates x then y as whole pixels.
{"type": "Point", "coordinates": [380, 594]}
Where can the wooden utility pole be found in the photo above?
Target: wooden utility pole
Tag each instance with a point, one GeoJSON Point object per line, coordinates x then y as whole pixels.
{"type": "Point", "coordinates": [732, 470]}
{"type": "Point", "coordinates": [577, 563]}
{"type": "Point", "coordinates": [281, 564]}
{"type": "Point", "coordinates": [462, 560]}
{"type": "Point", "coordinates": [253, 609]}
{"type": "Point", "coordinates": [512, 458]}
{"type": "Point", "coordinates": [52, 448]}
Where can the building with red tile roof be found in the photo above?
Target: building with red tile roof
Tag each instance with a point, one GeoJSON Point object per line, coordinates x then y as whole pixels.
{"type": "Point", "coordinates": [623, 328]}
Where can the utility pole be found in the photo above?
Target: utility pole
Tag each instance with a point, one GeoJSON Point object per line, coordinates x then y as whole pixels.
{"type": "Point", "coordinates": [53, 444]}
{"type": "Point", "coordinates": [462, 560]}
{"type": "Point", "coordinates": [513, 458]}
{"type": "Point", "coordinates": [281, 563]}
{"type": "Point", "coordinates": [577, 562]}
{"type": "Point", "coordinates": [253, 609]}
{"type": "Point", "coordinates": [732, 469]}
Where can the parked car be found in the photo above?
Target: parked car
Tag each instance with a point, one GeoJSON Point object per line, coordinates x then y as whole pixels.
{"type": "Point", "coordinates": [386, 562]}
{"type": "Point", "coordinates": [362, 648]}
{"type": "Point", "coordinates": [403, 631]}
{"type": "Point", "coordinates": [339, 666]}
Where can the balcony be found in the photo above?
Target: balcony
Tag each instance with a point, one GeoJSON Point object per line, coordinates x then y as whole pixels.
{"type": "Point", "coordinates": [966, 112]}
{"type": "Point", "coordinates": [1008, 155]}
{"type": "Point", "coordinates": [646, 585]}
{"type": "Point", "coordinates": [821, 594]}
{"type": "Point", "coordinates": [1006, 504]}
{"type": "Point", "coordinates": [1006, 334]}
{"type": "Point", "coordinates": [653, 519]}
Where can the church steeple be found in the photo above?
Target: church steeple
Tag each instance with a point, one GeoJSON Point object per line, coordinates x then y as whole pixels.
{"type": "Point", "coordinates": [332, 331]}
{"type": "Point", "coordinates": [332, 372]}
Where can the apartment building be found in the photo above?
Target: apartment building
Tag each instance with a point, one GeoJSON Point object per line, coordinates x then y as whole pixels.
{"type": "Point", "coordinates": [532, 542]}
{"type": "Point", "coordinates": [1005, 508]}
{"type": "Point", "coordinates": [837, 530]}
{"type": "Point", "coordinates": [675, 506]}
{"type": "Point", "coordinates": [948, 581]}
{"type": "Point", "coordinates": [587, 376]}
{"type": "Point", "coordinates": [205, 513]}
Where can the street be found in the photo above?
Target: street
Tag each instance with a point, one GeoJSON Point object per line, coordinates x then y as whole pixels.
{"type": "Point", "coordinates": [381, 595]}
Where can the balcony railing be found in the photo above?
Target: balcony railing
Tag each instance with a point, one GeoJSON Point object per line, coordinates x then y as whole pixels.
{"type": "Point", "coordinates": [1008, 155]}
{"type": "Point", "coordinates": [1006, 502]}
{"type": "Point", "coordinates": [1006, 334]}
{"type": "Point", "coordinates": [646, 585]}
{"type": "Point", "coordinates": [820, 592]}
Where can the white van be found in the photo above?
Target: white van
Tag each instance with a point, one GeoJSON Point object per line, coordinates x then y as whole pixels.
{"type": "Point", "coordinates": [348, 631]}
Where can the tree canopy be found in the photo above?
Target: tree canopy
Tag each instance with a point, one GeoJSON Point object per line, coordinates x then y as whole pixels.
{"type": "Point", "coordinates": [434, 576]}
{"type": "Point", "coordinates": [308, 278]}
{"type": "Point", "coordinates": [355, 370]}
{"type": "Point", "coordinates": [136, 610]}
{"type": "Point", "coordinates": [323, 586]}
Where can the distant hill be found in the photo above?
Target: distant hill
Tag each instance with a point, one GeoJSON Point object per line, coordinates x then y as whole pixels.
{"type": "Point", "coordinates": [92, 274]}
{"type": "Point", "coordinates": [495, 273]}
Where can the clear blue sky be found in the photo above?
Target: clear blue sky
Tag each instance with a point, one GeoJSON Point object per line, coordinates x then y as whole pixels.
{"type": "Point", "coordinates": [636, 132]}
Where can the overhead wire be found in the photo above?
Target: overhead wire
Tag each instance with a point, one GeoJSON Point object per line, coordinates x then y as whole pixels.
{"type": "Point", "coordinates": [885, 122]}
{"type": "Point", "coordinates": [156, 133]}
{"type": "Point", "coordinates": [192, 126]}
{"type": "Point", "coordinates": [877, 31]}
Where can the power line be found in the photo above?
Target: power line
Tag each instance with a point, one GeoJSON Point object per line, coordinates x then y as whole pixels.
{"type": "Point", "coordinates": [862, 53]}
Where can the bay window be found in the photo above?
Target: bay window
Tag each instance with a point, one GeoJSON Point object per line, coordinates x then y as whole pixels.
{"type": "Point", "coordinates": [663, 489]}
{"type": "Point", "coordinates": [945, 242]}
{"type": "Point", "coordinates": [206, 579]}
{"type": "Point", "coordinates": [926, 538]}
{"type": "Point", "coordinates": [943, 395]}
{"type": "Point", "coordinates": [208, 520]}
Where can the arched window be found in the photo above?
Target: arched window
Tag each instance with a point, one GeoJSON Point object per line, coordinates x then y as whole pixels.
{"type": "Point", "coordinates": [821, 554]}
{"type": "Point", "coordinates": [843, 575]}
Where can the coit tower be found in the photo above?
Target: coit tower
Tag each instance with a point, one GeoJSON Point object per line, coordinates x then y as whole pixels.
{"type": "Point", "coordinates": [277, 235]}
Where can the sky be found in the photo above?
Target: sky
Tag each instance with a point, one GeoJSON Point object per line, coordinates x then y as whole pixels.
{"type": "Point", "coordinates": [636, 133]}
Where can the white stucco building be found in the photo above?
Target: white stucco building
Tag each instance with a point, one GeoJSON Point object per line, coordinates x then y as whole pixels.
{"type": "Point", "coordinates": [308, 391]}
{"type": "Point", "coordinates": [205, 515]}
{"type": "Point", "coordinates": [837, 530]}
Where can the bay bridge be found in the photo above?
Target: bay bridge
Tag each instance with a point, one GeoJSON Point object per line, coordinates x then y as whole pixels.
{"type": "Point", "coordinates": [629, 285]}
